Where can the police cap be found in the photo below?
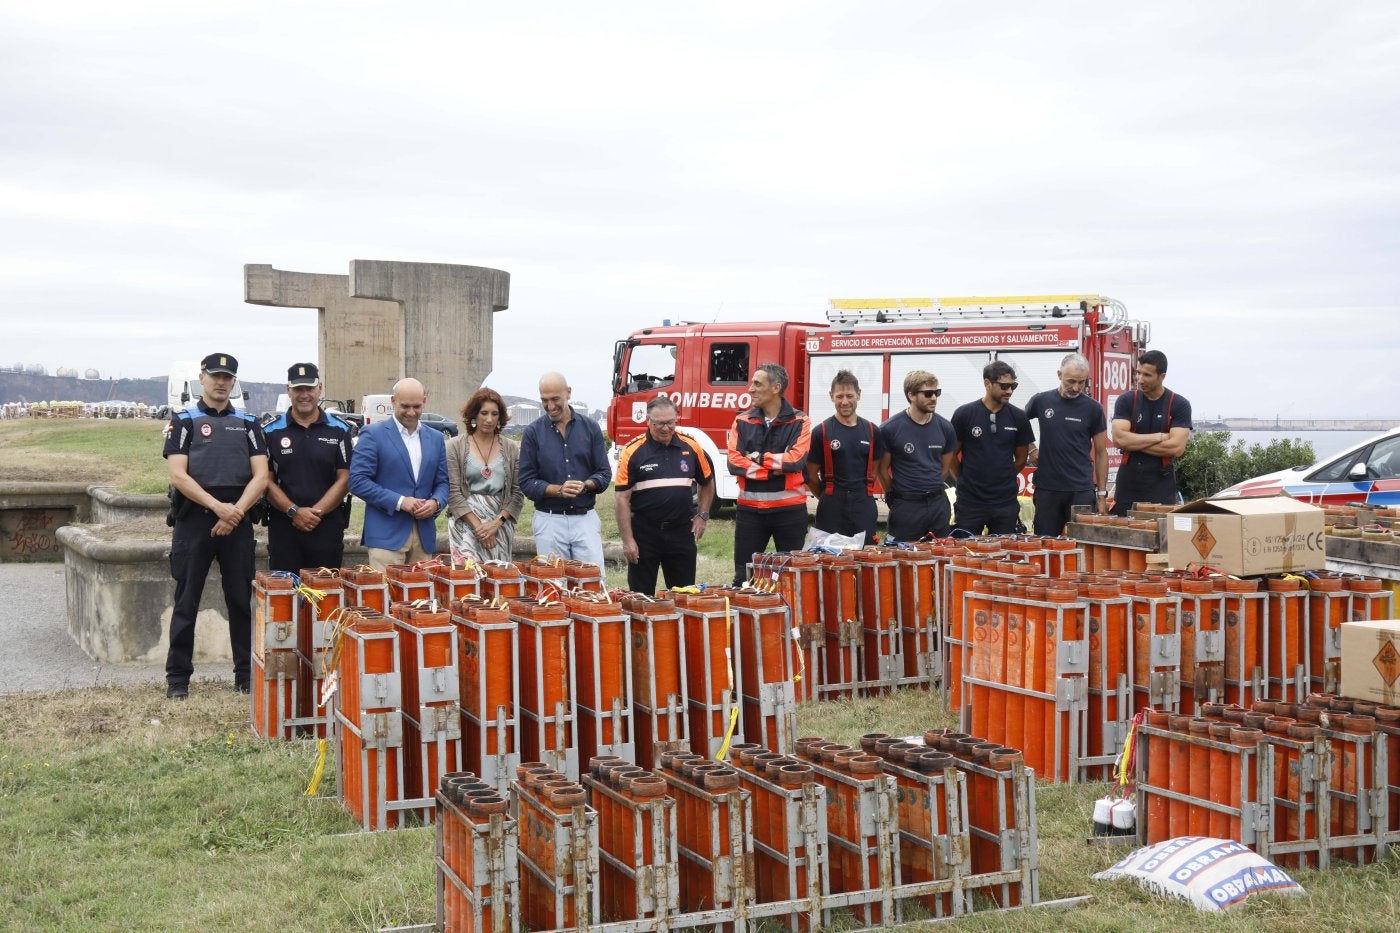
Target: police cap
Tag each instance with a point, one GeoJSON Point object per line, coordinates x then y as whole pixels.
{"type": "Point", "coordinates": [303, 374]}
{"type": "Point", "coordinates": [219, 363]}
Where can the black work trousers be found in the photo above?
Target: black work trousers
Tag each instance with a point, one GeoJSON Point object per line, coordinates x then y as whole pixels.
{"type": "Point", "coordinates": [914, 516]}
{"type": "Point", "coordinates": [192, 551]}
{"type": "Point", "coordinates": [662, 547]}
{"type": "Point", "coordinates": [848, 512]}
{"type": "Point", "coordinates": [972, 518]}
{"type": "Point", "coordinates": [754, 528]}
{"type": "Point", "coordinates": [1052, 509]}
{"type": "Point", "coordinates": [1143, 479]}
{"type": "Point", "coordinates": [294, 551]}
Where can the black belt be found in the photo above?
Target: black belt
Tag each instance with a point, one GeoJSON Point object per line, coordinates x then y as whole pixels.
{"type": "Point", "coordinates": [564, 511]}
{"type": "Point", "coordinates": [915, 496]}
{"type": "Point", "coordinates": [849, 493]}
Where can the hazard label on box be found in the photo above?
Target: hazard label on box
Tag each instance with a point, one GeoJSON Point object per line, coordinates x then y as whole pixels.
{"type": "Point", "coordinates": [1203, 540]}
{"type": "Point", "coordinates": [1387, 662]}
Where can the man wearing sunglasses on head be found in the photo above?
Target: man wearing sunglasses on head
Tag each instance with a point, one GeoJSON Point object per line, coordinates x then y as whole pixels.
{"type": "Point", "coordinates": [920, 448]}
{"type": "Point", "coordinates": [994, 437]}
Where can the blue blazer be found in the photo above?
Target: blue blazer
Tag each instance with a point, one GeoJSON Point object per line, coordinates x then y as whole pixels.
{"type": "Point", "coordinates": [380, 473]}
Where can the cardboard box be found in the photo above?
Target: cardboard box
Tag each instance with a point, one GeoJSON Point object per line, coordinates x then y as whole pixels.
{"type": "Point", "coordinates": [1246, 537]}
{"type": "Point", "coordinates": [1371, 660]}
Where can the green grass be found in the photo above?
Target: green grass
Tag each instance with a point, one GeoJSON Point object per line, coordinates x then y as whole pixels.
{"type": "Point", "coordinates": [124, 453]}
{"type": "Point", "coordinates": [120, 811]}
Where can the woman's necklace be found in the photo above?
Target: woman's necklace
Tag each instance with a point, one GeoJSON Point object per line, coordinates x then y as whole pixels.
{"type": "Point", "coordinates": [485, 460]}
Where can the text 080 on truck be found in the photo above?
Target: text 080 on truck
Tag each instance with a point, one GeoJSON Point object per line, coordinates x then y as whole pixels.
{"type": "Point", "coordinates": [706, 368]}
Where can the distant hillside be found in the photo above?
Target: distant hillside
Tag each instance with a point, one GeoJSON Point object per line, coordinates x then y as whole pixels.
{"type": "Point", "coordinates": [22, 387]}
{"type": "Point", "coordinates": [262, 396]}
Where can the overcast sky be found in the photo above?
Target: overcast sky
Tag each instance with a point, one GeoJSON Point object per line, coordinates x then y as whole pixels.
{"type": "Point", "coordinates": [1229, 171]}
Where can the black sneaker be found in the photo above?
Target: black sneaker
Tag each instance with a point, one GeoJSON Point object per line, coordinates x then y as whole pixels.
{"type": "Point", "coordinates": [241, 686]}
{"type": "Point", "coordinates": [177, 692]}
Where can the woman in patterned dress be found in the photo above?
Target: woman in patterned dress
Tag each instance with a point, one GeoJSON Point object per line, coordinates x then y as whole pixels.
{"type": "Point", "coordinates": [484, 498]}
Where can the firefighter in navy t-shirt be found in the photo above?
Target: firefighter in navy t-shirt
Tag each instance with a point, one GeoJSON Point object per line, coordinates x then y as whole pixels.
{"type": "Point", "coordinates": [920, 448]}
{"type": "Point", "coordinates": [1151, 426]}
{"type": "Point", "coordinates": [841, 464]}
{"type": "Point", "coordinates": [1072, 459]}
{"type": "Point", "coordinates": [218, 470]}
{"type": "Point", "coordinates": [994, 437]}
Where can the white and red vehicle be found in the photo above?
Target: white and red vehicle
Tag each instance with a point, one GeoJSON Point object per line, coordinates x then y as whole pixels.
{"type": "Point", "coordinates": [706, 368]}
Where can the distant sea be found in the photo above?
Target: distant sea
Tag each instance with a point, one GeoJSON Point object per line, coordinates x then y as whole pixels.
{"type": "Point", "coordinates": [1325, 443]}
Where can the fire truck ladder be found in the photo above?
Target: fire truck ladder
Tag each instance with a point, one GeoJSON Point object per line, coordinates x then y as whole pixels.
{"type": "Point", "coordinates": [960, 310]}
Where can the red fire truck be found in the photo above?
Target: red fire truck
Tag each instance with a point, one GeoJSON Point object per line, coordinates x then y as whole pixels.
{"type": "Point", "coordinates": [706, 368]}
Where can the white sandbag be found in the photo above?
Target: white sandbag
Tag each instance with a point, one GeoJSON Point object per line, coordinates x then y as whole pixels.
{"type": "Point", "coordinates": [1209, 874]}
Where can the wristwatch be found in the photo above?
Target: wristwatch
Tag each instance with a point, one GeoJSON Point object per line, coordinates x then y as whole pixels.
{"type": "Point", "coordinates": [1102, 493]}
{"type": "Point", "coordinates": [703, 516]}
{"type": "Point", "coordinates": [292, 511]}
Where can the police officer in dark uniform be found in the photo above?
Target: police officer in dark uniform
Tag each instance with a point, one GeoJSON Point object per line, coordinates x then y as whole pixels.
{"type": "Point", "coordinates": [308, 454]}
{"type": "Point", "coordinates": [218, 470]}
{"type": "Point", "coordinates": [656, 472]}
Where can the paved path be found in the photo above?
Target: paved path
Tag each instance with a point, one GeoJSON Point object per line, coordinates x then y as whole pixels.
{"type": "Point", "coordinates": [38, 652]}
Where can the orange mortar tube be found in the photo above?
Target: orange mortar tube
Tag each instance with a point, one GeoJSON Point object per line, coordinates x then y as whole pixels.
{"type": "Point", "coordinates": [366, 588]}
{"type": "Point", "coordinates": [656, 674]}
{"type": "Point", "coordinates": [839, 579]}
{"type": "Point", "coordinates": [1200, 614]}
{"type": "Point", "coordinates": [408, 582]}
{"type": "Point", "coordinates": [996, 656]}
{"type": "Point", "coordinates": [1223, 769]}
{"type": "Point", "coordinates": [606, 621]}
{"type": "Point", "coordinates": [799, 584]}
{"type": "Point", "coordinates": [544, 675]}
{"type": "Point", "coordinates": [709, 674]}
{"type": "Point", "coordinates": [1199, 779]}
{"type": "Point", "coordinates": [918, 616]}
{"type": "Point", "coordinates": [1108, 620]}
{"type": "Point", "coordinates": [1242, 638]}
{"type": "Point", "coordinates": [1014, 665]}
{"type": "Point", "coordinates": [1062, 624]}
{"type": "Point", "coordinates": [453, 583]}
{"type": "Point", "coordinates": [959, 626]}
{"type": "Point", "coordinates": [1327, 610]}
{"type": "Point", "coordinates": [878, 592]}
{"type": "Point", "coordinates": [1179, 777]}
{"type": "Point", "coordinates": [1244, 777]}
{"type": "Point", "coordinates": [979, 611]}
{"type": "Point", "coordinates": [541, 572]}
{"type": "Point", "coordinates": [502, 581]}
{"type": "Point", "coordinates": [581, 575]}
{"type": "Point", "coordinates": [1158, 776]}
{"type": "Point", "coordinates": [1285, 601]}
{"type": "Point", "coordinates": [1033, 677]}
{"type": "Point", "coordinates": [363, 652]}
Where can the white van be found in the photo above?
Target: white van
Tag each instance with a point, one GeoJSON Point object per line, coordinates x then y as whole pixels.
{"type": "Point", "coordinates": [183, 387]}
{"type": "Point", "coordinates": [376, 407]}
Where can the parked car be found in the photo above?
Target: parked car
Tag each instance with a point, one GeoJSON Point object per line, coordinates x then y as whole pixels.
{"type": "Point", "coordinates": [1368, 473]}
{"type": "Point", "coordinates": [444, 424]}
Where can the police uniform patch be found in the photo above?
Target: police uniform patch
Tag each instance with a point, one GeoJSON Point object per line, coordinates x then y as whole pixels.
{"type": "Point", "coordinates": [1049, 413]}
{"type": "Point", "coordinates": [286, 443]}
{"type": "Point", "coordinates": [685, 467]}
{"type": "Point", "coordinates": [908, 448]}
{"type": "Point", "coordinates": [206, 429]}
{"type": "Point", "coordinates": [836, 443]}
{"type": "Point", "coordinates": [977, 431]}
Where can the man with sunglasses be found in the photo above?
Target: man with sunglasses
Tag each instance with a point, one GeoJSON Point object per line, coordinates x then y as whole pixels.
{"type": "Point", "coordinates": [920, 450]}
{"type": "Point", "coordinates": [1151, 426]}
{"type": "Point", "coordinates": [994, 437]}
{"type": "Point", "coordinates": [1072, 460]}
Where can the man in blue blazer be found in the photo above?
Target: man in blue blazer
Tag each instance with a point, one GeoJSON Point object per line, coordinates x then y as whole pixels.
{"type": "Point", "coordinates": [400, 471]}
